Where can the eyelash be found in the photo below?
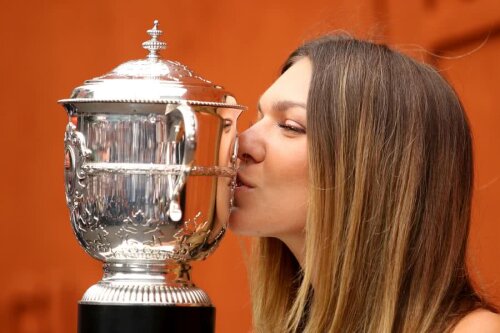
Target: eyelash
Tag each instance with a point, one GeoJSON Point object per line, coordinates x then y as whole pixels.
{"type": "Point", "coordinates": [283, 126]}
{"type": "Point", "coordinates": [291, 128]}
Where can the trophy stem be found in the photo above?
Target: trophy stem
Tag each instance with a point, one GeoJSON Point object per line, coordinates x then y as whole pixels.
{"type": "Point", "coordinates": [174, 274]}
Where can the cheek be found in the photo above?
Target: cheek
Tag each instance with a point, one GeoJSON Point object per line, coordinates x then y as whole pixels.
{"type": "Point", "coordinates": [286, 165]}
{"type": "Point", "coordinates": [279, 208]}
{"type": "Point", "coordinates": [288, 191]}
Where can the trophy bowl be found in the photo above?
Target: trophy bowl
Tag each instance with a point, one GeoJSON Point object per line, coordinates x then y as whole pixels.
{"type": "Point", "coordinates": [150, 152]}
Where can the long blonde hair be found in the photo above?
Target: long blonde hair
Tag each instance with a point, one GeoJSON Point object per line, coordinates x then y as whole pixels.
{"type": "Point", "coordinates": [391, 175]}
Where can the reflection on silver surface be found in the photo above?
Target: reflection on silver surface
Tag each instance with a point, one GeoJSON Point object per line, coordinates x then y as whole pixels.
{"type": "Point", "coordinates": [129, 169]}
{"type": "Point", "coordinates": [149, 184]}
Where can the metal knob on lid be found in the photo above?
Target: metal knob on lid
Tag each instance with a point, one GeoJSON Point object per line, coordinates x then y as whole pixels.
{"type": "Point", "coordinates": [154, 45]}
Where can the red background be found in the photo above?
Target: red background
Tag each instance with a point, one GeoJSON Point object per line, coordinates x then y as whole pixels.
{"type": "Point", "coordinates": [50, 47]}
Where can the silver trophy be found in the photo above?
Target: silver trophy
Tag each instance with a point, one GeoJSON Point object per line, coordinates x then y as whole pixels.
{"type": "Point", "coordinates": [150, 152]}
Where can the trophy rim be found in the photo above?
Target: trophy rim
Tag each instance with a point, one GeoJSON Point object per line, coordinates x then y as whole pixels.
{"type": "Point", "coordinates": [76, 101]}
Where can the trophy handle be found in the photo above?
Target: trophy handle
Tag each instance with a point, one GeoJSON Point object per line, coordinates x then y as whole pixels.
{"type": "Point", "coordinates": [181, 136]}
{"type": "Point", "coordinates": [76, 155]}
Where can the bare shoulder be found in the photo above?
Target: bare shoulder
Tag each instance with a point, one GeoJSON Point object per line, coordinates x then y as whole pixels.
{"type": "Point", "coordinates": [480, 320]}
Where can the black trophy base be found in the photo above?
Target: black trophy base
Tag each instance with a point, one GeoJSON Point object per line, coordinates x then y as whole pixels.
{"type": "Point", "coordinates": [145, 319]}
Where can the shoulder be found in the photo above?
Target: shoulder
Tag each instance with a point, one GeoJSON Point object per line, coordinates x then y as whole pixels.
{"type": "Point", "coordinates": [480, 320]}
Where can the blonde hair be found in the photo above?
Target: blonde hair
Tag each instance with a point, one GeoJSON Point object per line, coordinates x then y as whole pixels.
{"type": "Point", "coordinates": [391, 174]}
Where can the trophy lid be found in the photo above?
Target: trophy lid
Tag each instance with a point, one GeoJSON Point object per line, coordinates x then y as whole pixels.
{"type": "Point", "coordinates": [147, 81]}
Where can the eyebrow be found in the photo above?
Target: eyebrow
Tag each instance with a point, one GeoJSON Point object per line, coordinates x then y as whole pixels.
{"type": "Point", "coordinates": [283, 105]}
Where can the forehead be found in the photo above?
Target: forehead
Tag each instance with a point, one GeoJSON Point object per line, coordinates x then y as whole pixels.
{"type": "Point", "coordinates": [292, 85]}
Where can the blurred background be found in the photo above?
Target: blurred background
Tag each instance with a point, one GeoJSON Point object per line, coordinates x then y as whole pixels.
{"type": "Point", "coordinates": [51, 46]}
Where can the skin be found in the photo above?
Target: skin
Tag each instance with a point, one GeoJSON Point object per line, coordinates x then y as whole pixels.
{"type": "Point", "coordinates": [479, 321]}
{"type": "Point", "coordinates": [272, 201]}
{"type": "Point", "coordinates": [273, 164]}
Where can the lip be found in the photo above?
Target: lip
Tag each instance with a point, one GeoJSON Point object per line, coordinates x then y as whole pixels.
{"type": "Point", "coordinates": [242, 182]}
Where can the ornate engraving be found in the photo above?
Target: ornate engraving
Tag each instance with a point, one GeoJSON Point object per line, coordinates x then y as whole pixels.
{"type": "Point", "coordinates": [193, 236]}
{"type": "Point", "coordinates": [75, 177]}
{"type": "Point", "coordinates": [194, 239]}
{"type": "Point", "coordinates": [115, 293]}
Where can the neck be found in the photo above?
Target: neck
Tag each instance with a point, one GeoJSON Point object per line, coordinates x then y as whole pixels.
{"type": "Point", "coordinates": [295, 244]}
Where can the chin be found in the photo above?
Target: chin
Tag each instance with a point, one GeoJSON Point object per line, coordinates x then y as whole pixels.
{"type": "Point", "coordinates": [234, 224]}
{"type": "Point", "coordinates": [240, 223]}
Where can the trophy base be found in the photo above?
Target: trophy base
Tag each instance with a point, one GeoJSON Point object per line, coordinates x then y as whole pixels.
{"type": "Point", "coordinates": [146, 285]}
{"type": "Point", "coordinates": [101, 318]}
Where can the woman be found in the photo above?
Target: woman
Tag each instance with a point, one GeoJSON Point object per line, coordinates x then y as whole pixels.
{"type": "Point", "coordinates": [357, 179]}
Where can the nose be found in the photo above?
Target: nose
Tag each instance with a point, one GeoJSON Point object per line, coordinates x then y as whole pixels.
{"type": "Point", "coordinates": [251, 146]}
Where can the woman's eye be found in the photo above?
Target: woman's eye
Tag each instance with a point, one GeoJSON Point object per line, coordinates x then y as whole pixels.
{"type": "Point", "coordinates": [292, 126]}
{"type": "Point", "coordinates": [227, 125]}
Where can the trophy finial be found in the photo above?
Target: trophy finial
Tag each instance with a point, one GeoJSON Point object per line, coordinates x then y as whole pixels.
{"type": "Point", "coordinates": [154, 45]}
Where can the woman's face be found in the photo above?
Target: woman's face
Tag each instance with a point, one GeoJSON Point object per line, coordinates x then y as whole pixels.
{"type": "Point", "coordinates": [271, 194]}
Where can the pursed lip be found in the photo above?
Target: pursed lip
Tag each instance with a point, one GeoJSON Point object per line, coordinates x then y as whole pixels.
{"type": "Point", "coordinates": [241, 181]}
